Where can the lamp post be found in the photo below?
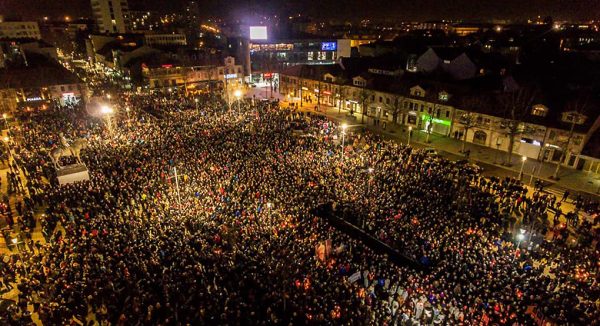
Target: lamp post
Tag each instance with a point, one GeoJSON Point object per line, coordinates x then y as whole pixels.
{"type": "Point", "coordinates": [4, 116]}
{"type": "Point", "coordinates": [409, 134]}
{"type": "Point", "coordinates": [6, 139]}
{"type": "Point", "coordinates": [107, 111]}
{"type": "Point", "coordinates": [127, 109]}
{"type": "Point", "coordinates": [523, 160]}
{"type": "Point", "coordinates": [238, 95]}
{"type": "Point", "coordinates": [344, 127]}
{"type": "Point", "coordinates": [196, 101]}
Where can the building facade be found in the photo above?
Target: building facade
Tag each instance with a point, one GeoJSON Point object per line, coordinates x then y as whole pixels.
{"type": "Point", "coordinates": [432, 109]}
{"type": "Point", "coordinates": [165, 39]}
{"type": "Point", "coordinates": [19, 30]}
{"type": "Point", "coordinates": [111, 16]}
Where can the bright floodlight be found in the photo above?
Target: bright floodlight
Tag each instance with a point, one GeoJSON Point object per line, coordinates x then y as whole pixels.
{"type": "Point", "coordinates": [106, 110]}
{"type": "Point", "coordinates": [4, 115]}
{"type": "Point", "coordinates": [108, 96]}
{"type": "Point", "coordinates": [409, 128]}
{"type": "Point", "coordinates": [237, 93]}
{"type": "Point", "coordinates": [522, 231]}
{"type": "Point", "coordinates": [370, 170]}
{"type": "Point", "coordinates": [520, 237]}
{"type": "Point", "coordinates": [344, 127]}
{"type": "Point", "coordinates": [524, 158]}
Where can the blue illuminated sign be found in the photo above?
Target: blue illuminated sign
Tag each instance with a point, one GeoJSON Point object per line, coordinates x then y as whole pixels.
{"type": "Point", "coordinates": [328, 46]}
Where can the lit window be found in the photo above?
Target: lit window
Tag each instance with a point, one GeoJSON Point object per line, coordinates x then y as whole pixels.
{"type": "Point", "coordinates": [539, 110]}
{"type": "Point", "coordinates": [443, 96]}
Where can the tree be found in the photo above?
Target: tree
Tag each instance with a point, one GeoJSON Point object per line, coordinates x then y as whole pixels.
{"type": "Point", "coordinates": [576, 116]}
{"type": "Point", "coordinates": [340, 91]}
{"type": "Point", "coordinates": [395, 107]}
{"type": "Point", "coordinates": [364, 97]}
{"type": "Point", "coordinates": [468, 120]}
{"type": "Point", "coordinates": [516, 105]}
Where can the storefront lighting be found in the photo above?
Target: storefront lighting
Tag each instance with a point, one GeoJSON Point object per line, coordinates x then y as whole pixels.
{"type": "Point", "coordinates": [436, 120]}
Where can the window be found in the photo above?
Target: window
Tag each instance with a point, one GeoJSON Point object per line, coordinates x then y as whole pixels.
{"type": "Point", "coordinates": [447, 114]}
{"type": "Point", "coordinates": [539, 110]}
{"type": "Point", "coordinates": [310, 55]}
{"type": "Point", "coordinates": [380, 99]}
{"type": "Point", "coordinates": [443, 96]}
{"type": "Point", "coordinates": [387, 101]}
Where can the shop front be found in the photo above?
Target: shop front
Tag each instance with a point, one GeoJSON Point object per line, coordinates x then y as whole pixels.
{"type": "Point", "coordinates": [436, 125]}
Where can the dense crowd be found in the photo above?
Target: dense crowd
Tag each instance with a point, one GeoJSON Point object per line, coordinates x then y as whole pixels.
{"type": "Point", "coordinates": [201, 215]}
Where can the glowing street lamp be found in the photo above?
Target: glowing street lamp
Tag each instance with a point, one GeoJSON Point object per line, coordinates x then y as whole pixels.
{"type": "Point", "coordinates": [523, 159]}
{"type": "Point", "coordinates": [238, 94]}
{"type": "Point", "coordinates": [107, 111]}
{"type": "Point", "coordinates": [4, 116]}
{"type": "Point", "coordinates": [409, 134]}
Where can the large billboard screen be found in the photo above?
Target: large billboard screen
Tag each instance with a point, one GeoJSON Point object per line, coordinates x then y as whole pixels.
{"type": "Point", "coordinates": [328, 46]}
{"type": "Point", "coordinates": [258, 32]}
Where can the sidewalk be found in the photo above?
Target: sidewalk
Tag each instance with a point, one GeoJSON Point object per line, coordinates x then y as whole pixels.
{"type": "Point", "coordinates": [587, 183]}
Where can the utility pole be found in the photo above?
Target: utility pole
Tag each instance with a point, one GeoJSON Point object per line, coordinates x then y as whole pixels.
{"type": "Point", "coordinates": [176, 177]}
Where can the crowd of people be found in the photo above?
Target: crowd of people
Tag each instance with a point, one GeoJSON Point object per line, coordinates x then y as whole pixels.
{"type": "Point", "coordinates": [200, 215]}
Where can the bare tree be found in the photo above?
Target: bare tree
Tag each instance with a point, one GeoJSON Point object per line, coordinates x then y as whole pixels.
{"type": "Point", "coordinates": [364, 97]}
{"type": "Point", "coordinates": [516, 106]}
{"type": "Point", "coordinates": [341, 91]}
{"type": "Point", "coordinates": [468, 120]}
{"type": "Point", "coordinates": [395, 107]}
{"type": "Point", "coordinates": [576, 109]}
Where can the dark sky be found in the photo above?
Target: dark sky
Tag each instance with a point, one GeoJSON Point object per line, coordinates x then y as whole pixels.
{"type": "Point", "coordinates": [350, 9]}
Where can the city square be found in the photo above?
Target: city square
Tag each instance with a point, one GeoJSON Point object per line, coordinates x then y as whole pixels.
{"type": "Point", "coordinates": [141, 189]}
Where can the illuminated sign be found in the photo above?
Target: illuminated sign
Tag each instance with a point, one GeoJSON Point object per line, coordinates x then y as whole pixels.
{"type": "Point", "coordinates": [305, 88]}
{"type": "Point", "coordinates": [258, 32]}
{"type": "Point", "coordinates": [167, 66]}
{"type": "Point", "coordinates": [33, 99]}
{"type": "Point", "coordinates": [328, 46]}
{"type": "Point", "coordinates": [230, 76]}
{"type": "Point", "coordinates": [267, 75]}
{"type": "Point", "coordinates": [425, 117]}
{"type": "Point", "coordinates": [327, 92]}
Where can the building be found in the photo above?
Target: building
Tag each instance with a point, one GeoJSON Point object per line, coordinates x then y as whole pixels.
{"type": "Point", "coordinates": [19, 30]}
{"type": "Point", "coordinates": [164, 75]}
{"type": "Point", "coordinates": [112, 16]}
{"type": "Point", "coordinates": [273, 56]}
{"type": "Point", "coordinates": [471, 110]}
{"type": "Point", "coordinates": [165, 39]}
{"type": "Point", "coordinates": [38, 83]}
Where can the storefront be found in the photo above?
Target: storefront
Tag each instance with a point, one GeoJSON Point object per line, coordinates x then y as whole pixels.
{"type": "Point", "coordinates": [438, 126]}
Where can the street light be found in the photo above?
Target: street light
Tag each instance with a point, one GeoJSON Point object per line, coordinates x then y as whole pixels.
{"type": "Point", "coordinates": [523, 159]}
{"type": "Point", "coordinates": [107, 111]}
{"type": "Point", "coordinates": [196, 101]}
{"type": "Point", "coordinates": [409, 134]}
{"type": "Point", "coordinates": [344, 127]}
{"type": "Point", "coordinates": [4, 116]}
{"type": "Point", "coordinates": [238, 94]}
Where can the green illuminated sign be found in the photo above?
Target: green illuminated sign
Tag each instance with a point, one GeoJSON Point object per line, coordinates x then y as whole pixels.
{"type": "Point", "coordinates": [426, 117]}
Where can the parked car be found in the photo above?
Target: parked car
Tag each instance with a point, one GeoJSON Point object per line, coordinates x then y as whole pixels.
{"type": "Point", "coordinates": [431, 151]}
{"type": "Point", "coordinates": [469, 165]}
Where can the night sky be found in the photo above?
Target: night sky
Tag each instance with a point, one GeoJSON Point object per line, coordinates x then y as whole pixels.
{"type": "Point", "coordinates": [348, 9]}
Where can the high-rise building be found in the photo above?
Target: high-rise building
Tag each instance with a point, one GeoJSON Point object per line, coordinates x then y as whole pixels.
{"type": "Point", "coordinates": [112, 16]}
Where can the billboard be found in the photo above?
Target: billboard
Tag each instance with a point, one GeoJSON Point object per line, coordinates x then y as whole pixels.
{"type": "Point", "coordinates": [328, 46]}
{"type": "Point", "coordinates": [258, 32]}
